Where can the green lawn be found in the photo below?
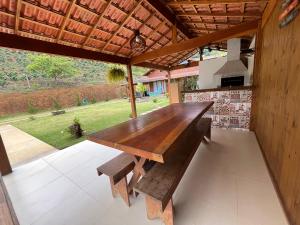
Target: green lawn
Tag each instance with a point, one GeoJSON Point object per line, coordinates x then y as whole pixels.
{"type": "Point", "coordinates": [53, 129]}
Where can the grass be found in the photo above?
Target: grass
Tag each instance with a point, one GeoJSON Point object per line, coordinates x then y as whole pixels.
{"type": "Point", "coordinates": [54, 129]}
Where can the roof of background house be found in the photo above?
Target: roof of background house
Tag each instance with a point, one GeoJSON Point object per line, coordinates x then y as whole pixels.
{"type": "Point", "coordinates": [157, 75]}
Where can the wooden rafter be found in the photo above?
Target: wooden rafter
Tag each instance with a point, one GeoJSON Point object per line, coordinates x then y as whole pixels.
{"type": "Point", "coordinates": [268, 12]}
{"type": "Point", "coordinates": [206, 2]}
{"type": "Point", "coordinates": [228, 14]}
{"type": "Point", "coordinates": [29, 44]}
{"type": "Point", "coordinates": [97, 22]}
{"type": "Point", "coordinates": [17, 19]}
{"type": "Point", "coordinates": [166, 13]}
{"type": "Point", "coordinates": [212, 23]}
{"type": "Point", "coordinates": [122, 24]}
{"type": "Point", "coordinates": [235, 31]}
{"type": "Point", "coordinates": [152, 66]}
{"type": "Point", "coordinates": [66, 17]}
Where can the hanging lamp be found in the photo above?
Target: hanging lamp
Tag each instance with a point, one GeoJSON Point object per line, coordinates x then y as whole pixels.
{"type": "Point", "coordinates": [137, 43]}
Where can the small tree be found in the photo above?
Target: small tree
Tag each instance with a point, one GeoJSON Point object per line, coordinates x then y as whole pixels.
{"type": "Point", "coordinates": [51, 66]}
{"type": "Point", "coordinates": [141, 88]}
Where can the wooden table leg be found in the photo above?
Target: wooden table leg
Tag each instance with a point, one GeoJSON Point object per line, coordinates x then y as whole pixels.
{"type": "Point", "coordinates": [138, 171]}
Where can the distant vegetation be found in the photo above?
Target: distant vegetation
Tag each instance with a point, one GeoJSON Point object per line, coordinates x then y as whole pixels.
{"type": "Point", "coordinates": [21, 70]}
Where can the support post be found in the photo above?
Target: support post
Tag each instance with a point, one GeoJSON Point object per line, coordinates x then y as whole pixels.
{"type": "Point", "coordinates": [5, 167]}
{"type": "Point", "coordinates": [169, 85]}
{"type": "Point", "coordinates": [257, 58]}
{"type": "Point", "coordinates": [131, 91]}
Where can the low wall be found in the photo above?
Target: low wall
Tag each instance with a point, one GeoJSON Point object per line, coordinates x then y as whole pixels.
{"type": "Point", "coordinates": [231, 108]}
{"type": "Point", "coordinates": [11, 103]}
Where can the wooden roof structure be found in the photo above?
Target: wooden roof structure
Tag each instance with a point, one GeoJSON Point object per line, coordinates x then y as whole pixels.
{"type": "Point", "coordinates": [102, 29]}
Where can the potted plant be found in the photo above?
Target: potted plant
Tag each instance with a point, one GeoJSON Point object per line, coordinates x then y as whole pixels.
{"type": "Point", "coordinates": [75, 129]}
{"type": "Point", "coordinates": [115, 74]}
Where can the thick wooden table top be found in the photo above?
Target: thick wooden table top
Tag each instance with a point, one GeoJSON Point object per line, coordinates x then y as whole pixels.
{"type": "Point", "coordinates": [150, 136]}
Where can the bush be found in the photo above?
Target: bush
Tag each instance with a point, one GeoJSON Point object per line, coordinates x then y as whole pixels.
{"type": "Point", "coordinates": [93, 101]}
{"type": "Point", "coordinates": [32, 109]}
{"type": "Point", "coordinates": [75, 129]}
{"type": "Point", "coordinates": [32, 118]}
{"type": "Point", "coordinates": [78, 100]}
{"type": "Point", "coordinates": [141, 88]}
{"type": "Point", "coordinates": [56, 105]}
{"type": "Point", "coordinates": [154, 100]}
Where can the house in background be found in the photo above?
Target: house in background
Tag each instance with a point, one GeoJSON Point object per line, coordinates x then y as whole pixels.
{"type": "Point", "coordinates": [156, 81]}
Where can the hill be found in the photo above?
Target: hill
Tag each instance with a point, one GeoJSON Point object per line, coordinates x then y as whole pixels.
{"type": "Point", "coordinates": [15, 77]}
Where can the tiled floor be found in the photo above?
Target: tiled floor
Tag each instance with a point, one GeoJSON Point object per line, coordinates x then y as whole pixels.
{"type": "Point", "coordinates": [227, 183]}
{"type": "Point", "coordinates": [22, 147]}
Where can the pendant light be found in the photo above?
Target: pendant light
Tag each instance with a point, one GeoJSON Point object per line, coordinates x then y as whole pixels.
{"type": "Point", "coordinates": [137, 43]}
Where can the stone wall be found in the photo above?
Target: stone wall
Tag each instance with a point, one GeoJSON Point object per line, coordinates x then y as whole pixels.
{"type": "Point", "coordinates": [11, 103]}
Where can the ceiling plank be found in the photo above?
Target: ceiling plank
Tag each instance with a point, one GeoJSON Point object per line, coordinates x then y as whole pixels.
{"type": "Point", "coordinates": [206, 2]}
{"type": "Point", "coordinates": [17, 21]}
{"type": "Point", "coordinates": [235, 31]}
{"type": "Point", "coordinates": [97, 22]}
{"type": "Point", "coordinates": [165, 12]}
{"type": "Point", "coordinates": [228, 14]}
{"type": "Point", "coordinates": [66, 17]}
{"type": "Point", "coordinates": [29, 44]}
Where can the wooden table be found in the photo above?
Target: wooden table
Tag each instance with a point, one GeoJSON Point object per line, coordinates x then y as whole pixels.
{"type": "Point", "coordinates": [150, 136]}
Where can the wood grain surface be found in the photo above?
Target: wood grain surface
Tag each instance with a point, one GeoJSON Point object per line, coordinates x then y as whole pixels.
{"type": "Point", "coordinates": [151, 135]}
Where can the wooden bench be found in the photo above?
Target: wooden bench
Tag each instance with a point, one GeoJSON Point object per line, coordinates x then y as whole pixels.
{"type": "Point", "coordinates": [117, 169]}
{"type": "Point", "coordinates": [161, 181]}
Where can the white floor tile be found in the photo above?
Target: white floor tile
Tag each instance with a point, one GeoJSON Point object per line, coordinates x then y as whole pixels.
{"type": "Point", "coordinates": [227, 183]}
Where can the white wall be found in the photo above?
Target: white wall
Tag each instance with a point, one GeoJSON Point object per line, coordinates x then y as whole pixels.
{"type": "Point", "coordinates": [250, 69]}
{"type": "Point", "coordinates": [207, 68]}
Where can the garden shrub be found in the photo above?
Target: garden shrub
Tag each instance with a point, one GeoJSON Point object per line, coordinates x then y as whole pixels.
{"type": "Point", "coordinates": [78, 100]}
{"type": "Point", "coordinates": [75, 129]}
{"type": "Point", "coordinates": [31, 108]}
{"type": "Point", "coordinates": [154, 100]}
{"type": "Point", "coordinates": [56, 104]}
{"type": "Point", "coordinates": [93, 101]}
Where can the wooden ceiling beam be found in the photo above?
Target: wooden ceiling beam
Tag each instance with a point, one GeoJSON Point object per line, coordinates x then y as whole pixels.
{"type": "Point", "coordinates": [152, 66]}
{"type": "Point", "coordinates": [236, 31]}
{"type": "Point", "coordinates": [268, 12]}
{"type": "Point", "coordinates": [208, 2]}
{"type": "Point", "coordinates": [65, 20]}
{"type": "Point", "coordinates": [29, 44]}
{"type": "Point", "coordinates": [165, 12]}
{"type": "Point", "coordinates": [17, 19]}
{"type": "Point", "coordinates": [212, 23]}
{"type": "Point", "coordinates": [228, 14]}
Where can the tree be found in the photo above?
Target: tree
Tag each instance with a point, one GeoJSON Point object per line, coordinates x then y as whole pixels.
{"type": "Point", "coordinates": [51, 66]}
{"type": "Point", "coordinates": [2, 79]}
{"type": "Point", "coordinates": [141, 88]}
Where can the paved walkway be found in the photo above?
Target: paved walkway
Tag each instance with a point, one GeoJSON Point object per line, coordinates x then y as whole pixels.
{"type": "Point", "coordinates": [22, 147]}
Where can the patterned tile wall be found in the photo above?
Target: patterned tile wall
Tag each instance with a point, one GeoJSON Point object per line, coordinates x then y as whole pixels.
{"type": "Point", "coordinates": [231, 109]}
